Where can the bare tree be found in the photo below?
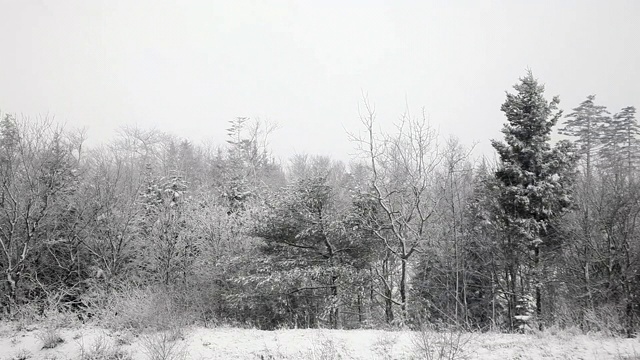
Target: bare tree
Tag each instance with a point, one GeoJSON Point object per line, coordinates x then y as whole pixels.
{"type": "Point", "coordinates": [37, 175]}
{"type": "Point", "coordinates": [402, 166]}
{"type": "Point", "coordinates": [111, 198]}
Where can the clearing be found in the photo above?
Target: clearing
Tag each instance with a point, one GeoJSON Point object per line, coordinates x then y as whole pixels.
{"type": "Point", "coordinates": [91, 342]}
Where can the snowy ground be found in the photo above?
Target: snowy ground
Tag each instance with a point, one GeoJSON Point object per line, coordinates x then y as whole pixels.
{"type": "Point", "coordinates": [231, 343]}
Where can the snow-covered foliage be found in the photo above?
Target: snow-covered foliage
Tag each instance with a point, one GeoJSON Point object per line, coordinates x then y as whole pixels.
{"type": "Point", "coordinates": [533, 185]}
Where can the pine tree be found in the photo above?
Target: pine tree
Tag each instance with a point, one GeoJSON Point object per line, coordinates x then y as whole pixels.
{"type": "Point", "coordinates": [535, 183]}
{"type": "Point", "coordinates": [621, 144]}
{"type": "Point", "coordinates": [586, 123]}
{"type": "Point", "coordinates": [620, 195]}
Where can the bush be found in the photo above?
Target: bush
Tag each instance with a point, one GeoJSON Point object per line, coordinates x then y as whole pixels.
{"type": "Point", "coordinates": [143, 308]}
{"type": "Point", "coordinates": [164, 346]}
{"type": "Point", "coordinates": [50, 337]}
{"type": "Point", "coordinates": [447, 343]}
{"type": "Point", "coordinates": [604, 319]}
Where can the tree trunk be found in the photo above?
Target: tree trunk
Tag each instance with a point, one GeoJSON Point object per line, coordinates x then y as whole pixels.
{"type": "Point", "coordinates": [493, 303]}
{"type": "Point", "coordinates": [403, 290]}
{"type": "Point", "coordinates": [388, 293]}
{"type": "Point", "coordinates": [538, 284]}
{"type": "Point", "coordinates": [512, 282]}
{"type": "Point", "coordinates": [388, 308]}
{"type": "Point", "coordinates": [372, 294]}
{"type": "Point", "coordinates": [513, 297]}
{"type": "Point", "coordinates": [335, 311]}
{"type": "Point", "coordinates": [12, 295]}
{"type": "Point", "coordinates": [360, 315]}
{"type": "Point", "coordinates": [587, 231]}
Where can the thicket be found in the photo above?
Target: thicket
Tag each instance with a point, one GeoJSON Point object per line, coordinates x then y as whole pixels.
{"type": "Point", "coordinates": [149, 230]}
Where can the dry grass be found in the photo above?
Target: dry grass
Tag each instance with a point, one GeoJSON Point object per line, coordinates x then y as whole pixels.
{"type": "Point", "coordinates": [326, 348]}
{"type": "Point", "coordinates": [165, 345]}
{"type": "Point", "coordinates": [102, 349]}
{"type": "Point", "coordinates": [22, 354]}
{"type": "Point", "coordinates": [384, 344]}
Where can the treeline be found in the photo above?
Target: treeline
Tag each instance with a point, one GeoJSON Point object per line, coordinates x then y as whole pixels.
{"type": "Point", "coordinates": [412, 231]}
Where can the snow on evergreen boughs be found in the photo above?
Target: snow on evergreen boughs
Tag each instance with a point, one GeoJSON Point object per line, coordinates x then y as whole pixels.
{"type": "Point", "coordinates": [534, 187]}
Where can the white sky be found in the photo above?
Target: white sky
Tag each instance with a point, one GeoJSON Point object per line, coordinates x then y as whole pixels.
{"type": "Point", "coordinates": [188, 67]}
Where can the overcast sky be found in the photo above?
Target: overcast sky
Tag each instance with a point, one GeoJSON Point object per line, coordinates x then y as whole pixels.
{"type": "Point", "coordinates": [188, 67]}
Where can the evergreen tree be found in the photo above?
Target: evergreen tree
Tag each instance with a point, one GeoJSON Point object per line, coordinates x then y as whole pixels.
{"type": "Point", "coordinates": [586, 123]}
{"type": "Point", "coordinates": [305, 234]}
{"type": "Point", "coordinates": [535, 184]}
{"type": "Point", "coordinates": [163, 226]}
{"type": "Point", "coordinates": [621, 144]}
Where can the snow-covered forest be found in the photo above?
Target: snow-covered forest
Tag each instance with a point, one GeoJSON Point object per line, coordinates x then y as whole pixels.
{"type": "Point", "coordinates": [412, 231]}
